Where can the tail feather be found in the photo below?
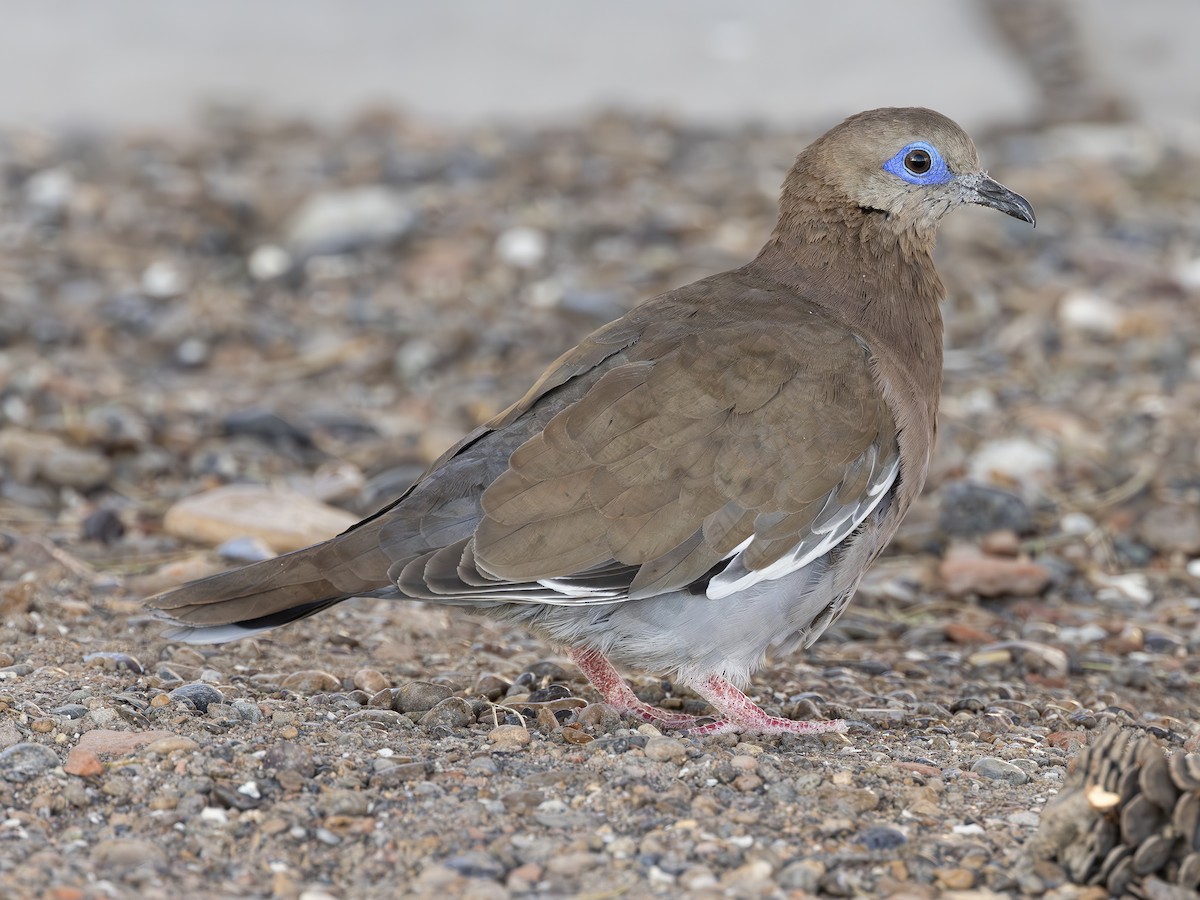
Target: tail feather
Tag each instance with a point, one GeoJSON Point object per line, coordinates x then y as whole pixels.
{"type": "Point", "coordinates": [220, 634]}
{"type": "Point", "coordinates": [275, 591]}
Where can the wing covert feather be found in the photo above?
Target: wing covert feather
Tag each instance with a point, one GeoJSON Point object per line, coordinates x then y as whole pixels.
{"type": "Point", "coordinates": [744, 437]}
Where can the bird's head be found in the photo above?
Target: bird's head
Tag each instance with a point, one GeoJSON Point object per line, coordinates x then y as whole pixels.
{"type": "Point", "coordinates": [910, 165]}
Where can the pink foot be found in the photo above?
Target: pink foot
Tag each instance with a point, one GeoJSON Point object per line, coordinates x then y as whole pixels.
{"type": "Point", "coordinates": [616, 693]}
{"type": "Point", "coordinates": [740, 713]}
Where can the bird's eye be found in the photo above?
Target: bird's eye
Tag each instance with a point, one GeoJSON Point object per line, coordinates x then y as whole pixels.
{"type": "Point", "coordinates": [917, 161]}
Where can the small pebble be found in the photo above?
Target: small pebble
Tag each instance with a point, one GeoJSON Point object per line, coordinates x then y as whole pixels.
{"type": "Point", "coordinates": [115, 661]}
{"type": "Point", "coordinates": [881, 837]}
{"type": "Point", "coordinates": [104, 526]}
{"type": "Point", "coordinates": [370, 680]}
{"type": "Point", "coordinates": [167, 745]}
{"type": "Point", "coordinates": [123, 854]}
{"type": "Point", "coordinates": [247, 710]}
{"type": "Point", "coordinates": [956, 879]}
{"type": "Point", "coordinates": [521, 247]}
{"type": "Point", "coordinates": [419, 696]}
{"type": "Point", "coordinates": [509, 737]}
{"type": "Point", "coordinates": [311, 681]}
{"type": "Point", "coordinates": [83, 763]}
{"type": "Point", "coordinates": [999, 770]}
{"type": "Point", "coordinates": [475, 864]}
{"type": "Point", "coordinates": [24, 762]}
{"type": "Point", "coordinates": [244, 549]}
{"type": "Point", "coordinates": [290, 757]}
{"type": "Point", "coordinates": [803, 875]}
{"type": "Point", "coordinates": [199, 695]}
{"type": "Point", "coordinates": [493, 687]}
{"type": "Point", "coordinates": [453, 712]}
{"type": "Point", "coordinates": [76, 468]}
{"type": "Point", "coordinates": [599, 717]}
{"type": "Point", "coordinates": [162, 280]}
{"type": "Point", "coordinates": [665, 749]}
{"type": "Point", "coordinates": [268, 261]}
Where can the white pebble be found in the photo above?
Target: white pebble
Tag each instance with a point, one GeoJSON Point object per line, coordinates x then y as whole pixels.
{"type": "Point", "coordinates": [162, 279]}
{"type": "Point", "coordinates": [250, 789]}
{"type": "Point", "coordinates": [1025, 818]}
{"type": "Point", "coordinates": [50, 189]}
{"type": "Point", "coordinates": [1077, 523]}
{"type": "Point", "coordinates": [1188, 274]}
{"type": "Point", "coordinates": [214, 815]}
{"type": "Point", "coordinates": [1082, 635]}
{"type": "Point", "coordinates": [1131, 586]}
{"type": "Point", "coordinates": [971, 829]}
{"type": "Point", "coordinates": [1193, 568]}
{"type": "Point", "coordinates": [545, 294]}
{"type": "Point", "coordinates": [980, 401]}
{"type": "Point", "coordinates": [268, 261]}
{"type": "Point", "coordinates": [657, 876]}
{"type": "Point", "coordinates": [1013, 461]}
{"type": "Point", "coordinates": [521, 247]}
{"type": "Point", "coordinates": [1090, 314]}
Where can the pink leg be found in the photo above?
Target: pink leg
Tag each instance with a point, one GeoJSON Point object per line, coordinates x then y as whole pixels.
{"type": "Point", "coordinates": [616, 693]}
{"type": "Point", "coordinates": [740, 713]}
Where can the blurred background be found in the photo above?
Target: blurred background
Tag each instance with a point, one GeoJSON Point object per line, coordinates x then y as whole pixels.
{"type": "Point", "coordinates": [261, 262]}
{"type": "Point", "coordinates": [139, 62]}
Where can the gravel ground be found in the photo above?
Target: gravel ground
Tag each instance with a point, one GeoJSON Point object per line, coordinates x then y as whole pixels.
{"type": "Point", "coordinates": [316, 314]}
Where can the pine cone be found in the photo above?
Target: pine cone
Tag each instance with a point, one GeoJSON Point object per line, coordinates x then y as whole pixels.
{"type": "Point", "coordinates": [1127, 818]}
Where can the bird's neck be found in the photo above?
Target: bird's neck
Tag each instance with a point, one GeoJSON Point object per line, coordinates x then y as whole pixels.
{"type": "Point", "coordinates": [878, 279]}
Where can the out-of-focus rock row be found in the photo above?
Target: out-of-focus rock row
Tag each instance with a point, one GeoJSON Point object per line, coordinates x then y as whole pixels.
{"type": "Point", "coordinates": [1127, 819]}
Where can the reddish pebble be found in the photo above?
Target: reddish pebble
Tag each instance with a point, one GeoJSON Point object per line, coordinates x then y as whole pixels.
{"type": "Point", "coordinates": [919, 768]}
{"type": "Point", "coordinates": [575, 736]}
{"type": "Point", "coordinates": [958, 633]}
{"type": "Point", "coordinates": [1069, 741]}
{"type": "Point", "coordinates": [83, 763]}
{"type": "Point", "coordinates": [1001, 543]}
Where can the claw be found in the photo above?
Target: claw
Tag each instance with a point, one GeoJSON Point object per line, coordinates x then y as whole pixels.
{"type": "Point", "coordinates": [738, 712]}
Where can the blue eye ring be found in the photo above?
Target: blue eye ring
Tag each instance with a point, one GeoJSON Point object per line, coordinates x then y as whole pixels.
{"type": "Point", "coordinates": [909, 162]}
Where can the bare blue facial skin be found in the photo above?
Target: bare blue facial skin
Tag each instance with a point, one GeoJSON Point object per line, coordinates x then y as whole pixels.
{"type": "Point", "coordinates": [901, 165]}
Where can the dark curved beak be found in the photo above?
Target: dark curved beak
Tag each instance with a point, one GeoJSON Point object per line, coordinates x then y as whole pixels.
{"type": "Point", "coordinates": [987, 192]}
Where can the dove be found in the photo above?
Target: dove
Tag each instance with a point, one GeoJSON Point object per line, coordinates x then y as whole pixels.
{"type": "Point", "coordinates": [703, 481]}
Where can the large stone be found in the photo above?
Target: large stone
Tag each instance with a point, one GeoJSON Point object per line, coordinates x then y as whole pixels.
{"type": "Point", "coordinates": [24, 762]}
{"type": "Point", "coordinates": [1014, 462]}
{"type": "Point", "coordinates": [967, 571]}
{"type": "Point", "coordinates": [107, 742]}
{"type": "Point", "coordinates": [343, 220]}
{"type": "Point", "coordinates": [1172, 529]}
{"type": "Point", "coordinates": [969, 509]}
{"type": "Point", "coordinates": [282, 518]}
{"type": "Point", "coordinates": [122, 854]}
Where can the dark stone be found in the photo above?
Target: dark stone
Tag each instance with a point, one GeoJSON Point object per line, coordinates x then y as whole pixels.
{"type": "Point", "coordinates": [475, 864]}
{"type": "Point", "coordinates": [969, 510]}
{"type": "Point", "coordinates": [266, 426]}
{"type": "Point", "coordinates": [287, 756]}
{"type": "Point", "coordinates": [103, 525]}
{"type": "Point", "coordinates": [549, 693]}
{"type": "Point", "coordinates": [881, 837]}
{"type": "Point", "coordinates": [24, 762]}
{"type": "Point", "coordinates": [231, 798]}
{"type": "Point", "coordinates": [116, 661]}
{"type": "Point", "coordinates": [198, 694]}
